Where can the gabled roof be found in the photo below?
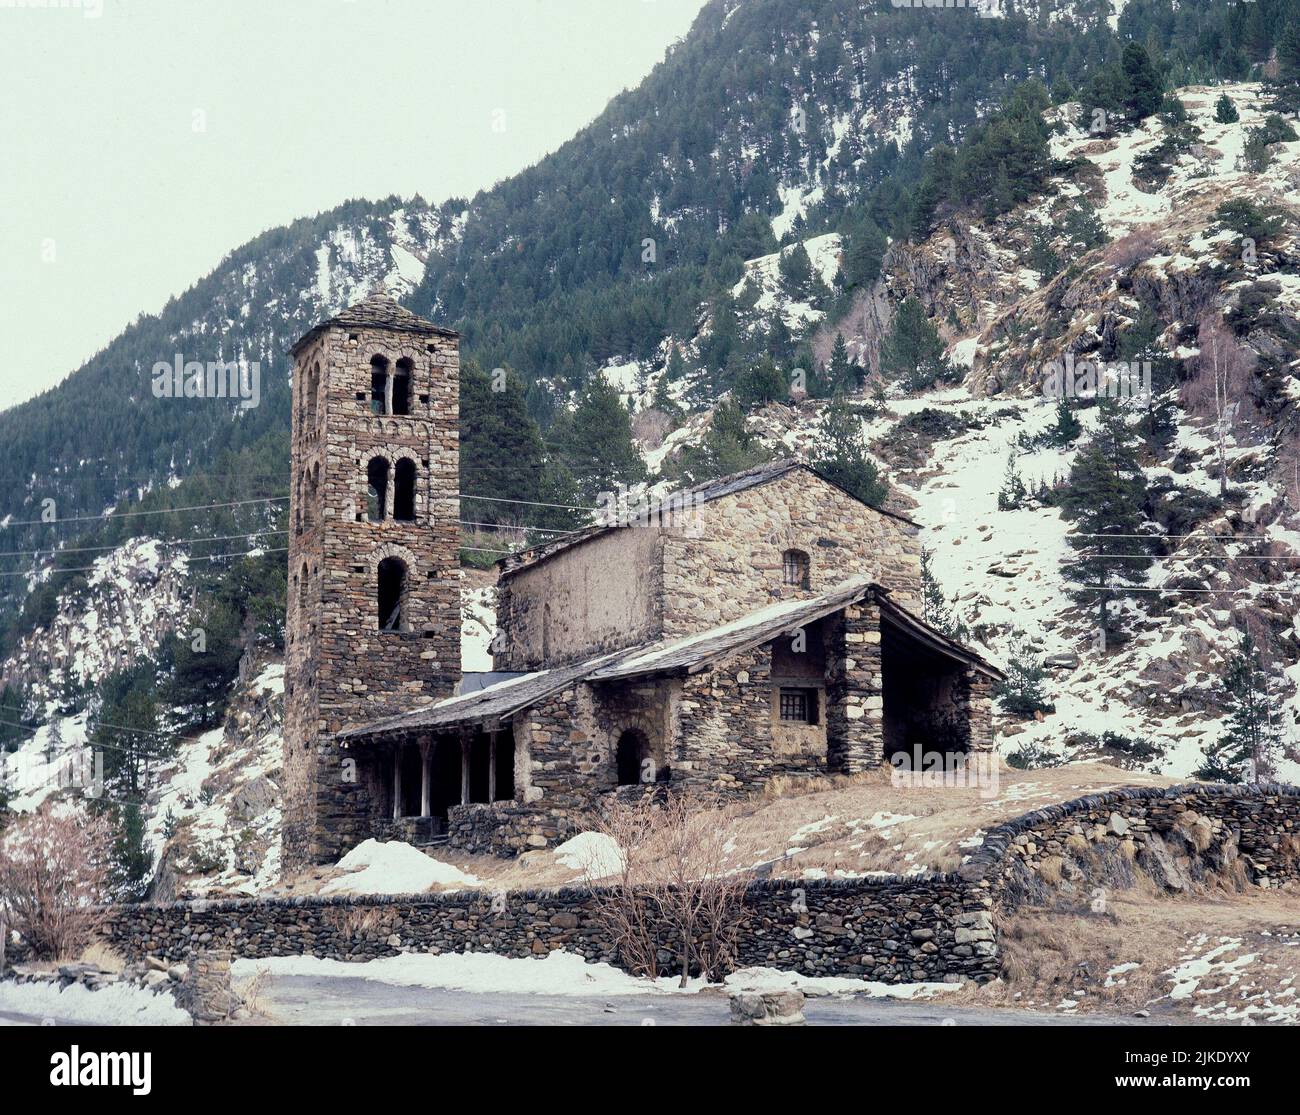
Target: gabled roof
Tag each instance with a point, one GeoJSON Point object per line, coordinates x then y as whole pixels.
{"type": "Point", "coordinates": [689, 654]}
{"type": "Point", "coordinates": [679, 502]}
{"type": "Point", "coordinates": [378, 310]}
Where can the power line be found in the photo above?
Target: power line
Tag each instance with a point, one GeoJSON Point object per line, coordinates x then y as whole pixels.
{"type": "Point", "coordinates": [126, 542]}
{"type": "Point", "coordinates": [112, 515]}
{"type": "Point", "coordinates": [256, 552]}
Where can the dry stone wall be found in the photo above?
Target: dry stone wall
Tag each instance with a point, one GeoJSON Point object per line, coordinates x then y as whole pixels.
{"type": "Point", "coordinates": [899, 929]}
{"type": "Point", "coordinates": [1177, 835]}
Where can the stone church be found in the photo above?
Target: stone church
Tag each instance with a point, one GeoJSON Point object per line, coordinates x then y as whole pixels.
{"type": "Point", "coordinates": [764, 625]}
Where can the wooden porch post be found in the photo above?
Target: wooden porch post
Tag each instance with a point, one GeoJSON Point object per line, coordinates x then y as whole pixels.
{"type": "Point", "coordinates": [464, 769]}
{"type": "Point", "coordinates": [426, 776]}
{"type": "Point", "coordinates": [397, 781]}
{"type": "Point", "coordinates": [492, 767]}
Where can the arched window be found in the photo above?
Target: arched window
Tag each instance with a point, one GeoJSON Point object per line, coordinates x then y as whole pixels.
{"type": "Point", "coordinates": [402, 386]}
{"type": "Point", "coordinates": [404, 490]}
{"type": "Point", "coordinates": [310, 497]}
{"type": "Point", "coordinates": [310, 389]}
{"type": "Point", "coordinates": [631, 754]}
{"type": "Point", "coordinates": [794, 568]}
{"type": "Point", "coordinates": [303, 581]}
{"type": "Point", "coordinates": [392, 594]}
{"type": "Point", "coordinates": [378, 385]}
{"type": "Point", "coordinates": [376, 489]}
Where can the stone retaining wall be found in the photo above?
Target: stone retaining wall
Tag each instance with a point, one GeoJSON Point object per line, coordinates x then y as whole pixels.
{"type": "Point", "coordinates": [1178, 835]}
{"type": "Point", "coordinates": [895, 930]}
{"type": "Point", "coordinates": [928, 927]}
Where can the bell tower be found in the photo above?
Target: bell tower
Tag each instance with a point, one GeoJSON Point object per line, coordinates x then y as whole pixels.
{"type": "Point", "coordinates": [373, 625]}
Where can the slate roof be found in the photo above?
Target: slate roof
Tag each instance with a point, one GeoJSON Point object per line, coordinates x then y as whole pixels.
{"type": "Point", "coordinates": [689, 654]}
{"type": "Point", "coordinates": [378, 310]}
{"type": "Point", "coordinates": [682, 501]}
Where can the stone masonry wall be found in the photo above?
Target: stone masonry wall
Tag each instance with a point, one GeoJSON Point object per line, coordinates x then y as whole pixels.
{"type": "Point", "coordinates": [734, 566]}
{"type": "Point", "coordinates": [1176, 835]}
{"type": "Point", "coordinates": [897, 930]}
{"type": "Point", "coordinates": [339, 667]}
{"type": "Point", "coordinates": [717, 562]}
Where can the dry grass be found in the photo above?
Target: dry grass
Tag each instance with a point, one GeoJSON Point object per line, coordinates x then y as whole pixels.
{"type": "Point", "coordinates": [1050, 954]}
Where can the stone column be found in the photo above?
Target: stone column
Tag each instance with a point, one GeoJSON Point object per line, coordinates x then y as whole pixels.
{"type": "Point", "coordinates": [855, 706]}
{"type": "Point", "coordinates": [977, 690]}
{"type": "Point", "coordinates": [426, 776]}
{"type": "Point", "coordinates": [397, 782]}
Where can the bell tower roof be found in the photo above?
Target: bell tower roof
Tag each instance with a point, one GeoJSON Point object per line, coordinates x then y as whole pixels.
{"type": "Point", "coordinates": [378, 310]}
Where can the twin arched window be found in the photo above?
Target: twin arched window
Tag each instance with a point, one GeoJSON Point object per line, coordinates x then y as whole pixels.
{"type": "Point", "coordinates": [377, 482]}
{"type": "Point", "coordinates": [390, 387]}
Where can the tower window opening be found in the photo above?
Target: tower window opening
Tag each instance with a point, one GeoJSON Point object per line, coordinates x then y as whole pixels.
{"type": "Point", "coordinates": [404, 491]}
{"type": "Point", "coordinates": [378, 385]}
{"type": "Point", "coordinates": [392, 595]}
{"type": "Point", "coordinates": [376, 489]}
{"type": "Point", "coordinates": [402, 377]}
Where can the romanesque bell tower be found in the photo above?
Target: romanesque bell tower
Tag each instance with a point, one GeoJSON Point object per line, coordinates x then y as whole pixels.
{"type": "Point", "coordinates": [373, 597]}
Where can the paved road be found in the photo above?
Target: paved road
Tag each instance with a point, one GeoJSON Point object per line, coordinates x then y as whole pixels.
{"type": "Point", "coordinates": [341, 1000]}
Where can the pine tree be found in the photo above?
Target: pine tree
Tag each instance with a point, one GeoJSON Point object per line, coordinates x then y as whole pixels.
{"type": "Point", "coordinates": [840, 454]}
{"type": "Point", "coordinates": [598, 448]}
{"type": "Point", "coordinates": [864, 252]}
{"type": "Point", "coordinates": [796, 270]}
{"type": "Point", "coordinates": [501, 451]}
{"type": "Point", "coordinates": [1105, 498]}
{"type": "Point", "coordinates": [912, 354]}
{"type": "Point", "coordinates": [727, 447]}
{"type": "Point", "coordinates": [841, 374]}
{"type": "Point", "coordinates": [1225, 112]}
{"type": "Point", "coordinates": [1013, 492]}
{"type": "Point", "coordinates": [204, 660]}
{"type": "Point", "coordinates": [1288, 53]}
{"type": "Point", "coordinates": [1067, 426]}
{"type": "Point", "coordinates": [760, 383]}
{"type": "Point", "coordinates": [1145, 89]}
{"type": "Point", "coordinates": [131, 860]}
{"type": "Point", "coordinates": [1022, 692]}
{"type": "Point", "coordinates": [935, 609]}
{"type": "Point", "coordinates": [1252, 740]}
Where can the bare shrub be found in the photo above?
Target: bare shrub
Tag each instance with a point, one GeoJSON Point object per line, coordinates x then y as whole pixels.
{"type": "Point", "coordinates": [1221, 383]}
{"type": "Point", "coordinates": [671, 889]}
{"type": "Point", "coordinates": [54, 879]}
{"type": "Point", "coordinates": [623, 904]}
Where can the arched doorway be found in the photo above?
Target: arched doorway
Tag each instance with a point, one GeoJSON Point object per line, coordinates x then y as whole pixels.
{"type": "Point", "coordinates": [631, 757]}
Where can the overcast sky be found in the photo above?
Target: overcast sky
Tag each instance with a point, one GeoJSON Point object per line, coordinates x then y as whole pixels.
{"type": "Point", "coordinates": [141, 140]}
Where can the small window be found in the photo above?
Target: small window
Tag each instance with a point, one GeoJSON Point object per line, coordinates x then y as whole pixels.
{"type": "Point", "coordinates": [377, 489]}
{"type": "Point", "coordinates": [794, 568]}
{"type": "Point", "coordinates": [404, 491]}
{"type": "Point", "coordinates": [799, 706]}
